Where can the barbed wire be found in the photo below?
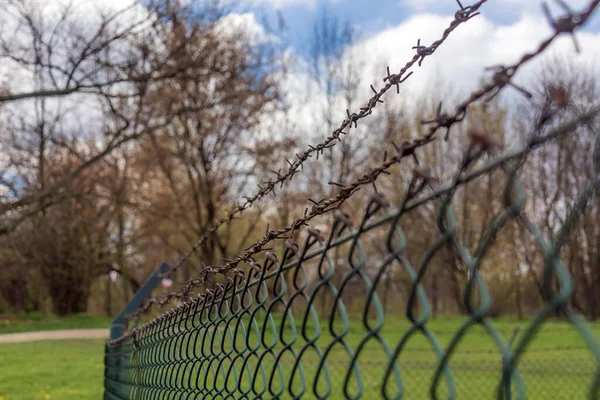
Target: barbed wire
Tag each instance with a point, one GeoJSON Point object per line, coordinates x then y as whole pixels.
{"type": "Point", "coordinates": [503, 75]}
{"type": "Point", "coordinates": [461, 16]}
{"type": "Point", "coordinates": [324, 206]}
{"type": "Point", "coordinates": [438, 191]}
{"type": "Point", "coordinates": [500, 80]}
{"type": "Point", "coordinates": [318, 208]}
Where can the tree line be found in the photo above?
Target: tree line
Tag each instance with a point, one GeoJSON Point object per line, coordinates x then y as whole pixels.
{"type": "Point", "coordinates": [131, 133]}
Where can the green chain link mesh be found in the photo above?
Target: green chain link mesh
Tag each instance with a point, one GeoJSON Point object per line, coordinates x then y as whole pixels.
{"type": "Point", "coordinates": [267, 333]}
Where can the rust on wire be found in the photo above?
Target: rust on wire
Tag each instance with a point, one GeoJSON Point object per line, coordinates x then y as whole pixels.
{"type": "Point", "coordinates": [503, 74]}
{"type": "Point", "coordinates": [480, 144]}
{"type": "Point", "coordinates": [295, 166]}
{"type": "Point", "coordinates": [318, 208]}
{"type": "Point", "coordinates": [421, 178]}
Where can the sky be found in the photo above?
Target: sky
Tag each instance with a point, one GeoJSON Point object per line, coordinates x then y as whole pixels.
{"type": "Point", "coordinates": [389, 29]}
{"type": "Point", "coordinates": [505, 30]}
{"type": "Point", "coordinates": [372, 17]}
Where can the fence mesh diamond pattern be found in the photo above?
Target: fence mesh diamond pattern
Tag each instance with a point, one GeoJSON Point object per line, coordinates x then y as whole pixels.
{"type": "Point", "coordinates": [315, 320]}
{"type": "Point", "coordinates": [271, 332]}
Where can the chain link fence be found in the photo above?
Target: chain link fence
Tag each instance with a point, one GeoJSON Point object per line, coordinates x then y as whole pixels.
{"type": "Point", "coordinates": [317, 320]}
{"type": "Point", "coordinates": [259, 335]}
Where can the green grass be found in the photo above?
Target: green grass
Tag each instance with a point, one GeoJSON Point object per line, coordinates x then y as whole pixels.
{"type": "Point", "coordinates": [556, 366]}
{"type": "Point", "coordinates": [73, 369]}
{"type": "Point", "coordinates": [30, 323]}
{"type": "Point", "coordinates": [53, 370]}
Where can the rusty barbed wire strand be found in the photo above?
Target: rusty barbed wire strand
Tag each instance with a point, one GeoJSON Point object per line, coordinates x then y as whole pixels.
{"type": "Point", "coordinates": [326, 205]}
{"type": "Point", "coordinates": [532, 144]}
{"type": "Point", "coordinates": [561, 25]}
{"type": "Point", "coordinates": [503, 75]}
{"type": "Point", "coordinates": [269, 186]}
{"type": "Point", "coordinates": [422, 173]}
{"type": "Point", "coordinates": [320, 207]}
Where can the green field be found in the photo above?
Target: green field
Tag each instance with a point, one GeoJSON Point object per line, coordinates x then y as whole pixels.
{"type": "Point", "coordinates": [556, 366]}
{"type": "Point", "coordinates": [69, 369]}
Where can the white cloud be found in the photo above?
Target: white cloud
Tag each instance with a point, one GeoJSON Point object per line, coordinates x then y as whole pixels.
{"type": "Point", "coordinates": [519, 4]}
{"type": "Point", "coordinates": [460, 61]}
{"type": "Point", "coordinates": [246, 24]}
{"type": "Point", "coordinates": [285, 3]}
{"type": "Point", "coordinates": [472, 47]}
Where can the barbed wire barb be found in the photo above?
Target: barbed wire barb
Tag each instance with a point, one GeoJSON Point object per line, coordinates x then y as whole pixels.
{"type": "Point", "coordinates": [353, 118]}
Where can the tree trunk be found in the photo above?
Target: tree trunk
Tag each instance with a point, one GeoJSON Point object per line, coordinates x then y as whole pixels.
{"type": "Point", "coordinates": [434, 295]}
{"type": "Point", "coordinates": [456, 292]}
{"type": "Point", "coordinates": [108, 296]}
{"type": "Point", "coordinates": [591, 300]}
{"type": "Point", "coordinates": [518, 300]}
{"type": "Point", "coordinates": [19, 295]}
{"type": "Point", "coordinates": [386, 292]}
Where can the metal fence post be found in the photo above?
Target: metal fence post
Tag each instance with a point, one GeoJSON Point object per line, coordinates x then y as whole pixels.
{"type": "Point", "coordinates": [119, 324]}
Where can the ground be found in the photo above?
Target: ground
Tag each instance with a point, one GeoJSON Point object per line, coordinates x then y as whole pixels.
{"type": "Point", "coordinates": [56, 369]}
{"type": "Point", "coordinates": [52, 369]}
{"type": "Point", "coordinates": [557, 365]}
{"type": "Point", "coordinates": [54, 335]}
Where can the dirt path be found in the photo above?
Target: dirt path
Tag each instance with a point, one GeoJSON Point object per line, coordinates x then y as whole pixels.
{"type": "Point", "coordinates": [53, 335]}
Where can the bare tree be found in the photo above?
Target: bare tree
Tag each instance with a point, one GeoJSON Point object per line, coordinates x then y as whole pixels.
{"type": "Point", "coordinates": [337, 72]}
{"type": "Point", "coordinates": [200, 163]}
{"type": "Point", "coordinates": [562, 170]}
{"type": "Point", "coordinates": [98, 94]}
{"type": "Point", "coordinates": [78, 76]}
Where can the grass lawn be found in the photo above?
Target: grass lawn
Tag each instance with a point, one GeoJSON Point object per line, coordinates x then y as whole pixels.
{"type": "Point", "coordinates": [30, 323]}
{"type": "Point", "coordinates": [557, 365]}
{"type": "Point", "coordinates": [69, 369]}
